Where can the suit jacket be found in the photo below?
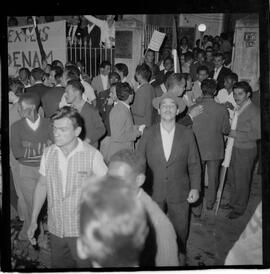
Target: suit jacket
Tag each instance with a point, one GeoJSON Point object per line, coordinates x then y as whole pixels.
{"type": "Point", "coordinates": [51, 99]}
{"type": "Point", "coordinates": [38, 89]}
{"type": "Point", "coordinates": [220, 79]}
{"type": "Point", "coordinates": [141, 108]}
{"type": "Point", "coordinates": [123, 130]}
{"type": "Point", "coordinates": [172, 179]}
{"type": "Point", "coordinates": [104, 109]}
{"type": "Point", "coordinates": [97, 84]}
{"type": "Point", "coordinates": [94, 128]}
{"type": "Point", "coordinates": [209, 128]}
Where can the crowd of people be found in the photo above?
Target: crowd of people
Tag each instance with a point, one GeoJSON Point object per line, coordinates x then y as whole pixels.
{"type": "Point", "coordinates": [120, 166]}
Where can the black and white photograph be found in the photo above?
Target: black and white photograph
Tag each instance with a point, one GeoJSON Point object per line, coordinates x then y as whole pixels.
{"type": "Point", "coordinates": [135, 141]}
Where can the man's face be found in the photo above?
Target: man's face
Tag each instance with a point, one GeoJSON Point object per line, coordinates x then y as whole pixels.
{"type": "Point", "coordinates": [209, 55]}
{"type": "Point", "coordinates": [25, 110]}
{"type": "Point", "coordinates": [240, 96]}
{"type": "Point", "coordinates": [71, 94]}
{"type": "Point", "coordinates": [202, 75]}
{"type": "Point", "coordinates": [168, 65]}
{"type": "Point", "coordinates": [113, 93]}
{"type": "Point", "coordinates": [64, 79]}
{"type": "Point", "coordinates": [168, 109]}
{"type": "Point", "coordinates": [23, 75]}
{"type": "Point", "coordinates": [228, 83]}
{"type": "Point", "coordinates": [179, 89]}
{"type": "Point", "coordinates": [201, 57]}
{"type": "Point", "coordinates": [149, 57]}
{"type": "Point", "coordinates": [218, 61]}
{"type": "Point", "coordinates": [113, 80]}
{"type": "Point", "coordinates": [64, 132]}
{"type": "Point", "coordinates": [51, 78]}
{"type": "Point", "coordinates": [106, 70]}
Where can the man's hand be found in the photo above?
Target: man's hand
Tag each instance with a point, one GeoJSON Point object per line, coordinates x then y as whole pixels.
{"type": "Point", "coordinates": [109, 101]}
{"type": "Point", "coordinates": [31, 233]}
{"type": "Point", "coordinates": [196, 111]}
{"type": "Point", "coordinates": [229, 105]}
{"type": "Point", "coordinates": [193, 196]}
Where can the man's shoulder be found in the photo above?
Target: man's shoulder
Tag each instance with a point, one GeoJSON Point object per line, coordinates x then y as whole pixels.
{"type": "Point", "coordinates": [18, 123]}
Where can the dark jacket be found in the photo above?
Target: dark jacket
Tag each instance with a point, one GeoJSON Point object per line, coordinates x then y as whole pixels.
{"type": "Point", "coordinates": [172, 180]}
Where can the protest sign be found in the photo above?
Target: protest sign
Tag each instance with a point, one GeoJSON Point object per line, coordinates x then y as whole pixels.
{"type": "Point", "coordinates": [23, 50]}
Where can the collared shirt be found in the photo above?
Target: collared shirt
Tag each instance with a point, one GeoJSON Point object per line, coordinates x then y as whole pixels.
{"type": "Point", "coordinates": [99, 168]}
{"type": "Point", "coordinates": [125, 104]}
{"type": "Point", "coordinates": [104, 79]}
{"type": "Point", "coordinates": [217, 73]}
{"type": "Point", "coordinates": [167, 141]}
{"type": "Point", "coordinates": [34, 125]}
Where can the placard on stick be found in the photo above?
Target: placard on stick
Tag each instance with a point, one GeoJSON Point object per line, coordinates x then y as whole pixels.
{"type": "Point", "coordinates": [156, 40]}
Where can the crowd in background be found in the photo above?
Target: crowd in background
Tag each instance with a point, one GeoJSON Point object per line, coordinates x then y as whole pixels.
{"type": "Point", "coordinates": [152, 142]}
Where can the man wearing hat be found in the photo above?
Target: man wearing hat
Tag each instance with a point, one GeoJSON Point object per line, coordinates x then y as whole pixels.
{"type": "Point", "coordinates": [172, 156]}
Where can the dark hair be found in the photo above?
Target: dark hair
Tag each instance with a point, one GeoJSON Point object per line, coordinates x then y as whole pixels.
{"type": "Point", "coordinates": [72, 75]}
{"type": "Point", "coordinates": [37, 74]}
{"type": "Point", "coordinates": [188, 56]}
{"type": "Point", "coordinates": [224, 36]}
{"type": "Point", "coordinates": [104, 64]}
{"type": "Point", "coordinates": [58, 76]}
{"type": "Point", "coordinates": [181, 40]}
{"type": "Point", "coordinates": [74, 69]}
{"type": "Point", "coordinates": [120, 222]}
{"type": "Point", "coordinates": [209, 87]}
{"type": "Point", "coordinates": [132, 158]}
{"type": "Point", "coordinates": [201, 51]}
{"type": "Point", "coordinates": [205, 68]}
{"type": "Point", "coordinates": [70, 113]}
{"type": "Point", "coordinates": [244, 86]}
{"type": "Point", "coordinates": [77, 85]}
{"type": "Point", "coordinates": [116, 75]}
{"type": "Point", "coordinates": [233, 76]}
{"type": "Point", "coordinates": [57, 69]}
{"type": "Point", "coordinates": [17, 86]}
{"type": "Point", "coordinates": [219, 54]}
{"type": "Point", "coordinates": [26, 70]}
{"type": "Point", "coordinates": [30, 98]}
{"type": "Point", "coordinates": [122, 67]}
{"type": "Point", "coordinates": [148, 50]}
{"type": "Point", "coordinates": [123, 90]}
{"type": "Point", "coordinates": [144, 71]}
{"type": "Point", "coordinates": [56, 63]}
{"type": "Point", "coordinates": [174, 79]}
{"type": "Point", "coordinates": [168, 58]}
{"type": "Point", "coordinates": [12, 21]}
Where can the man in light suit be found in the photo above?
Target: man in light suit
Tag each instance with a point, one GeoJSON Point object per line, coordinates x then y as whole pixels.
{"type": "Point", "coordinates": [123, 130]}
{"type": "Point", "coordinates": [172, 155]}
{"type": "Point", "coordinates": [101, 81]}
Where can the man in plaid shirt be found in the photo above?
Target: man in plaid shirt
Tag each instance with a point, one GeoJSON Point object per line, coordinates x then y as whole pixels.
{"type": "Point", "coordinates": [64, 167]}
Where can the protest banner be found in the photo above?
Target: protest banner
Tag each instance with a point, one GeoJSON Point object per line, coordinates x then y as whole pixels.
{"type": "Point", "coordinates": [23, 50]}
{"type": "Point", "coordinates": [156, 40]}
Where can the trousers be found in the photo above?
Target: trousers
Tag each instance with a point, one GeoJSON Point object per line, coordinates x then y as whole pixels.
{"type": "Point", "coordinates": [240, 176]}
{"type": "Point", "coordinates": [64, 253]}
{"type": "Point", "coordinates": [178, 214]}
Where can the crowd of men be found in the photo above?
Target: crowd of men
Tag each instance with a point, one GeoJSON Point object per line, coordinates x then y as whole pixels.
{"type": "Point", "coordinates": [122, 166]}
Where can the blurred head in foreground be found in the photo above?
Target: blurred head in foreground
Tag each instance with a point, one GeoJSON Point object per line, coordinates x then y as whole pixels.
{"type": "Point", "coordinates": [113, 223]}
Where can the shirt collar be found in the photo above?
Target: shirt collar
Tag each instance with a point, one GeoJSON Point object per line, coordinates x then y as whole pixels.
{"type": "Point", "coordinates": [125, 104]}
{"type": "Point", "coordinates": [78, 148]}
{"type": "Point", "coordinates": [34, 125]}
{"type": "Point", "coordinates": [165, 131]}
